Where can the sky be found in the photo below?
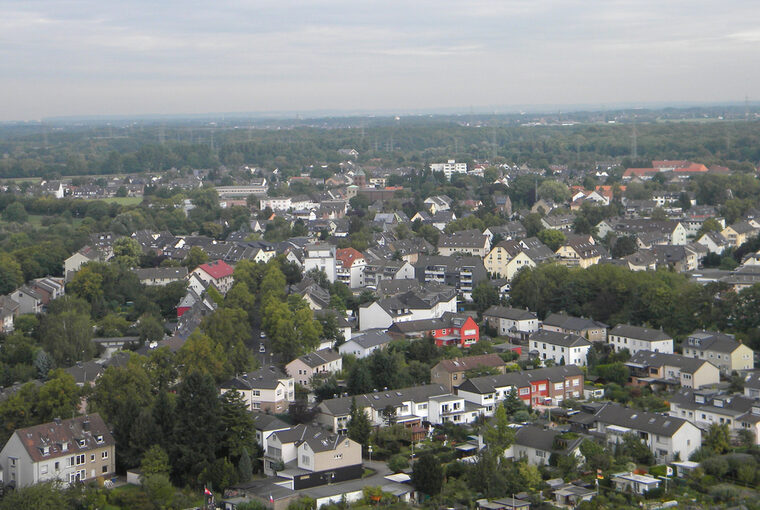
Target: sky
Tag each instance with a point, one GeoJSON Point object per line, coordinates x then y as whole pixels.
{"type": "Point", "coordinates": [133, 57]}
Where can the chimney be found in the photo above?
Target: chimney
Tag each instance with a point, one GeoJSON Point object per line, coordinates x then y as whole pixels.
{"type": "Point", "coordinates": [86, 424]}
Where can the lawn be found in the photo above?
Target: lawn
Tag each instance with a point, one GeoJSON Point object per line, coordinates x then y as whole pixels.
{"type": "Point", "coordinates": [122, 200]}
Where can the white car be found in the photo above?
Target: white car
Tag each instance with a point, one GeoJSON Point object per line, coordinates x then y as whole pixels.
{"type": "Point", "coordinates": [262, 335]}
{"type": "Point", "coordinates": [262, 348]}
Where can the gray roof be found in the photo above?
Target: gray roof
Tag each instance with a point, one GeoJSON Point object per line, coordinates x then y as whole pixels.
{"type": "Point", "coordinates": [659, 359]}
{"type": "Point", "coordinates": [639, 333]}
{"type": "Point", "coordinates": [463, 239]}
{"type": "Point", "coordinates": [752, 380]}
{"type": "Point", "coordinates": [515, 314]}
{"type": "Point", "coordinates": [489, 383]}
{"type": "Point", "coordinates": [713, 341]}
{"type": "Point", "coordinates": [267, 422]}
{"type": "Point", "coordinates": [663, 425]}
{"type": "Point", "coordinates": [570, 323]}
{"type": "Point", "coordinates": [561, 339]}
{"type": "Point", "coordinates": [321, 357]}
{"type": "Point", "coordinates": [731, 405]}
{"type": "Point", "coordinates": [378, 400]}
{"type": "Point", "coordinates": [542, 439]}
{"type": "Point", "coordinates": [371, 338]}
{"type": "Point", "coordinates": [160, 273]}
{"type": "Point", "coordinates": [264, 378]}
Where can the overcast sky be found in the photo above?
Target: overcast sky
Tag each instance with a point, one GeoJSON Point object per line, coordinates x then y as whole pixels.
{"type": "Point", "coordinates": [96, 57]}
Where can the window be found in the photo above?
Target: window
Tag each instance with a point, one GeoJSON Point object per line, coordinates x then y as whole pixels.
{"type": "Point", "coordinates": [305, 460]}
{"type": "Point", "coordinates": [104, 455]}
{"type": "Point", "coordinates": [338, 456]}
{"type": "Point", "coordinates": [257, 405]}
{"type": "Point", "coordinates": [80, 460]}
{"type": "Point", "coordinates": [524, 391]}
{"type": "Point", "coordinates": [539, 453]}
{"type": "Point", "coordinates": [98, 439]}
{"type": "Point", "coordinates": [43, 469]}
{"type": "Point", "coordinates": [92, 457]}
{"type": "Point", "coordinates": [57, 466]}
{"type": "Point", "coordinates": [105, 469]}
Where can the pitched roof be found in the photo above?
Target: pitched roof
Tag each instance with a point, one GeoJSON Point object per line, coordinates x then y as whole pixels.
{"type": "Point", "coordinates": [713, 341]}
{"type": "Point", "coordinates": [561, 339]}
{"type": "Point", "coordinates": [639, 333]}
{"type": "Point", "coordinates": [489, 383]}
{"type": "Point", "coordinates": [217, 269]}
{"type": "Point", "coordinates": [470, 362]}
{"type": "Point", "coordinates": [160, 273]}
{"type": "Point", "coordinates": [264, 378]}
{"type": "Point", "coordinates": [318, 358]}
{"type": "Point", "coordinates": [371, 338]}
{"type": "Point", "coordinates": [72, 432]}
{"type": "Point", "coordinates": [571, 323]}
{"type": "Point", "coordinates": [347, 256]}
{"type": "Point", "coordinates": [266, 422]}
{"type": "Point", "coordinates": [644, 359]}
{"type": "Point", "coordinates": [545, 440]}
{"type": "Point", "coordinates": [515, 314]}
{"type": "Point", "coordinates": [341, 406]}
{"type": "Point", "coordinates": [663, 425]}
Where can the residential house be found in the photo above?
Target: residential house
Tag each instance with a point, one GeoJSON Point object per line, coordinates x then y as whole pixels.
{"type": "Point", "coordinates": [640, 261]}
{"type": "Point", "coordinates": [430, 302]}
{"type": "Point", "coordinates": [449, 168]}
{"type": "Point", "coordinates": [461, 272]}
{"type": "Point", "coordinates": [29, 300]}
{"type": "Point", "coordinates": [304, 368]}
{"type": "Point", "coordinates": [711, 407]}
{"type": "Point", "coordinates": [653, 369]}
{"type": "Point", "coordinates": [715, 242]}
{"type": "Point", "coordinates": [267, 389]}
{"type": "Point", "coordinates": [507, 232]}
{"type": "Point", "coordinates": [720, 349]}
{"type": "Point", "coordinates": [561, 222]}
{"type": "Point", "coordinates": [673, 231]}
{"type": "Point", "coordinates": [589, 329]}
{"type": "Point", "coordinates": [350, 267]}
{"type": "Point", "coordinates": [464, 242]}
{"type": "Point", "coordinates": [218, 273]}
{"type": "Point", "coordinates": [739, 233]}
{"type": "Point", "coordinates": [308, 456]}
{"type": "Point", "coordinates": [320, 256]}
{"type": "Point", "coordinates": [452, 409]}
{"type": "Point", "coordinates": [9, 309]}
{"type": "Point", "coordinates": [410, 407]}
{"type": "Point", "coordinates": [562, 348]}
{"type": "Point", "coordinates": [437, 203]}
{"type": "Point", "coordinates": [85, 254]}
{"type": "Point", "coordinates": [542, 386]}
{"type": "Point", "coordinates": [366, 343]}
{"type": "Point", "coordinates": [451, 329]}
{"type": "Point", "coordinates": [635, 339]}
{"type": "Point", "coordinates": [635, 483]}
{"type": "Point", "coordinates": [264, 425]}
{"type": "Point", "coordinates": [512, 322]}
{"type": "Point", "coordinates": [161, 275]}
{"type": "Point", "coordinates": [536, 445]}
{"type": "Point", "coordinates": [579, 251]}
{"type": "Point", "coordinates": [676, 258]}
{"type": "Point", "coordinates": [509, 257]}
{"type": "Point", "coordinates": [452, 372]}
{"type": "Point", "coordinates": [668, 438]}
{"type": "Point", "coordinates": [79, 449]}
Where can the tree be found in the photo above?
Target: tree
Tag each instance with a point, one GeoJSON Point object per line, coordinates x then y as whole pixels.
{"type": "Point", "coordinates": [709, 225]}
{"type": "Point", "coordinates": [58, 397]}
{"type": "Point", "coordinates": [554, 190]}
{"type": "Point", "coordinates": [40, 496]}
{"type": "Point", "coordinates": [11, 276]}
{"type": "Point", "coordinates": [195, 257]}
{"type": "Point", "coordinates": [624, 246]}
{"type": "Point", "coordinates": [201, 354]}
{"type": "Point", "coordinates": [245, 468]}
{"type": "Point", "coordinates": [155, 461]}
{"type": "Point", "coordinates": [150, 329]}
{"type": "Point", "coordinates": [127, 252]}
{"type": "Point", "coordinates": [196, 428]}
{"type": "Point", "coordinates": [360, 379]}
{"type": "Point", "coordinates": [484, 295]}
{"type": "Point", "coordinates": [65, 331]}
{"type": "Point", "coordinates": [551, 238]}
{"type": "Point", "coordinates": [237, 427]}
{"type": "Point", "coordinates": [359, 427]}
{"type": "Point", "coordinates": [16, 212]}
{"type": "Point", "coordinates": [499, 435]}
{"type": "Point", "coordinates": [159, 489]}
{"type": "Point", "coordinates": [427, 474]}
{"type": "Point", "coordinates": [717, 438]}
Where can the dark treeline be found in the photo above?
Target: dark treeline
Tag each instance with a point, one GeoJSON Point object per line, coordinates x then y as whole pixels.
{"type": "Point", "coordinates": [415, 141]}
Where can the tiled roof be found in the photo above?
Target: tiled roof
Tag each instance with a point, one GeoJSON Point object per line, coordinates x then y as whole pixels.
{"type": "Point", "coordinates": [470, 362]}
{"type": "Point", "coordinates": [82, 430]}
{"type": "Point", "coordinates": [217, 269]}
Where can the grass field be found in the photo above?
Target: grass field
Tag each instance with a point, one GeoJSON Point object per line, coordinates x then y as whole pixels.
{"type": "Point", "coordinates": [122, 200]}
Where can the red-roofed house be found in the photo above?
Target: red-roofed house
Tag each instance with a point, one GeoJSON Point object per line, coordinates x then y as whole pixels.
{"type": "Point", "coordinates": [217, 272]}
{"type": "Point", "coordinates": [665, 165]}
{"type": "Point", "coordinates": [350, 267]}
{"type": "Point", "coordinates": [641, 173]}
{"type": "Point", "coordinates": [690, 170]}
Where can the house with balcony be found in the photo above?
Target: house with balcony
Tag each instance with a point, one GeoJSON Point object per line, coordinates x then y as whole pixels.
{"type": "Point", "coordinates": [267, 390]}
{"type": "Point", "coordinates": [660, 370]}
{"type": "Point", "coordinates": [739, 233]}
{"type": "Point", "coordinates": [350, 267]}
{"type": "Point", "coordinates": [377, 270]}
{"type": "Point", "coordinates": [720, 349]}
{"type": "Point", "coordinates": [217, 273]}
{"type": "Point", "coordinates": [464, 242]}
{"type": "Point", "coordinates": [461, 272]}
{"type": "Point", "coordinates": [452, 409]}
{"type": "Point", "coordinates": [542, 386]}
{"type": "Point", "coordinates": [320, 256]}
{"type": "Point", "coordinates": [579, 251]}
{"type": "Point", "coordinates": [509, 257]}
{"type": "Point", "coordinates": [307, 456]}
{"type": "Point", "coordinates": [668, 438]}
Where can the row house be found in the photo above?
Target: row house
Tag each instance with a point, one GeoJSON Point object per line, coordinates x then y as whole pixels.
{"type": "Point", "coordinates": [636, 338]}
{"type": "Point", "coordinates": [668, 438]}
{"type": "Point", "coordinates": [561, 222]}
{"type": "Point", "coordinates": [452, 372]}
{"type": "Point", "coordinates": [410, 407]}
{"type": "Point", "coordinates": [659, 369]}
{"type": "Point", "coordinates": [366, 343]}
{"type": "Point", "coordinates": [512, 322]}
{"type": "Point", "coordinates": [706, 408]}
{"type": "Point", "coordinates": [672, 230]}
{"type": "Point", "coordinates": [509, 231]}
{"type": "Point", "coordinates": [542, 386]}
{"type": "Point", "coordinates": [536, 445]}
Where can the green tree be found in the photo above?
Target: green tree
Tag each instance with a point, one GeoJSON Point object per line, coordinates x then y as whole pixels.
{"type": "Point", "coordinates": [58, 397]}
{"type": "Point", "coordinates": [484, 295]}
{"type": "Point", "coordinates": [159, 489]}
{"type": "Point", "coordinates": [11, 276]}
{"type": "Point", "coordinates": [717, 438]}
{"type": "Point", "coordinates": [201, 354]}
{"type": "Point", "coordinates": [155, 461]}
{"type": "Point", "coordinates": [195, 257]}
{"type": "Point", "coordinates": [237, 427]}
{"type": "Point", "coordinates": [427, 474]}
{"type": "Point", "coordinates": [40, 496]}
{"type": "Point", "coordinates": [150, 329]}
{"type": "Point", "coordinates": [551, 238]}
{"type": "Point", "coordinates": [66, 332]}
{"type": "Point", "coordinates": [245, 467]}
{"type": "Point", "coordinates": [16, 212]}
{"type": "Point", "coordinates": [498, 436]}
{"type": "Point", "coordinates": [127, 252]}
{"type": "Point", "coordinates": [359, 428]}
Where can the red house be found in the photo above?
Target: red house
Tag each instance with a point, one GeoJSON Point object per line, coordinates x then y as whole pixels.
{"type": "Point", "coordinates": [451, 329]}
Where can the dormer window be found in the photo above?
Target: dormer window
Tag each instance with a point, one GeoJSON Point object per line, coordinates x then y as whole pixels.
{"type": "Point", "coordinates": [64, 446]}
{"type": "Point", "coordinates": [45, 450]}
{"type": "Point", "coordinates": [99, 439]}
{"type": "Point", "coordinates": [82, 443]}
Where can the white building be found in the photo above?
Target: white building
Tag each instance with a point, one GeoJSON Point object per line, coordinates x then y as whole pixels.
{"type": "Point", "coordinates": [449, 168]}
{"type": "Point", "coordinates": [320, 256]}
{"type": "Point", "coordinates": [563, 348]}
{"type": "Point", "coordinates": [635, 339]}
{"type": "Point", "coordinates": [430, 302]}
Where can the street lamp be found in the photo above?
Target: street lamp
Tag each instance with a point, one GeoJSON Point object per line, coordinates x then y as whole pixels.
{"type": "Point", "coordinates": [369, 449]}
